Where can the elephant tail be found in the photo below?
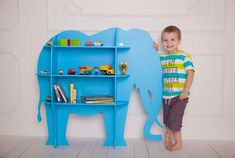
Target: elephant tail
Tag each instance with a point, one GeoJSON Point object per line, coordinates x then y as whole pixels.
{"type": "Point", "coordinates": [152, 106]}
{"type": "Point", "coordinates": [147, 134]}
{"type": "Point", "coordinates": [158, 123]}
{"type": "Point", "coordinates": [39, 117]}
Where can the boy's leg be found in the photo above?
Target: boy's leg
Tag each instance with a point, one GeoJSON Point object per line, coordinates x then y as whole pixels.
{"type": "Point", "coordinates": [177, 113]}
{"type": "Point", "coordinates": [178, 143]}
{"type": "Point", "coordinates": [168, 142]}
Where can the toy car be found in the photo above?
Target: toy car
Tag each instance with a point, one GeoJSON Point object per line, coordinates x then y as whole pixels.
{"type": "Point", "coordinates": [107, 70]}
{"type": "Point", "coordinates": [44, 72]}
{"type": "Point", "coordinates": [88, 43]}
{"type": "Point", "coordinates": [71, 71]}
{"type": "Point", "coordinates": [85, 70]}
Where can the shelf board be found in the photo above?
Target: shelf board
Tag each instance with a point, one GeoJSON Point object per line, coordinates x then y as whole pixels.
{"type": "Point", "coordinates": [43, 75]}
{"type": "Point", "coordinates": [118, 103]}
{"type": "Point", "coordinates": [122, 76]}
{"type": "Point", "coordinates": [92, 76]}
{"type": "Point", "coordinates": [84, 76]}
{"type": "Point", "coordinates": [90, 47]}
{"type": "Point", "coordinates": [46, 46]}
{"type": "Point", "coordinates": [122, 47]}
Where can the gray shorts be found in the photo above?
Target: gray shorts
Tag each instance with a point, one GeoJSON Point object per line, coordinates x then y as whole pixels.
{"type": "Point", "coordinates": [173, 111]}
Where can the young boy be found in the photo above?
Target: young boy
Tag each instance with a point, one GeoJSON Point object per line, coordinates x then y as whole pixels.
{"type": "Point", "coordinates": [178, 73]}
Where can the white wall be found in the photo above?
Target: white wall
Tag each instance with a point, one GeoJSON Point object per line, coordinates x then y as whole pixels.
{"type": "Point", "coordinates": [208, 34]}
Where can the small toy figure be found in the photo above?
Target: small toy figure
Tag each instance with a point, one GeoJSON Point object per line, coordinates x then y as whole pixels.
{"type": "Point", "coordinates": [98, 43]}
{"type": "Point", "coordinates": [96, 70]}
{"type": "Point", "coordinates": [123, 66]}
{"type": "Point", "coordinates": [61, 72]}
{"type": "Point", "coordinates": [49, 43]}
{"type": "Point", "coordinates": [71, 71]}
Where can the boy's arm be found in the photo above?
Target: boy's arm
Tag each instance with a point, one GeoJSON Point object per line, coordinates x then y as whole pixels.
{"type": "Point", "coordinates": [188, 84]}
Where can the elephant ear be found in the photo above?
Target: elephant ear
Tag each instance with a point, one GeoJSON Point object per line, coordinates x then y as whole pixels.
{"type": "Point", "coordinates": [145, 72]}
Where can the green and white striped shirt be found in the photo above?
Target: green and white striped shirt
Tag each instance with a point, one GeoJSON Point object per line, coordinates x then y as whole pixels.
{"type": "Point", "coordinates": [174, 68]}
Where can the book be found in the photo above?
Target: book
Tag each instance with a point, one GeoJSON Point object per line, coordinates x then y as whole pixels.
{"type": "Point", "coordinates": [58, 96]}
{"type": "Point", "coordinates": [73, 93]}
{"type": "Point", "coordinates": [109, 101]}
{"type": "Point", "coordinates": [102, 99]}
{"type": "Point", "coordinates": [61, 92]}
{"type": "Point", "coordinates": [97, 97]}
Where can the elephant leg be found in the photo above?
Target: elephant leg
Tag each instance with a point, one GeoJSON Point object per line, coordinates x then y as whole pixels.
{"type": "Point", "coordinates": [109, 126]}
{"type": "Point", "coordinates": [50, 125]}
{"type": "Point", "coordinates": [62, 115]}
{"type": "Point", "coordinates": [115, 119]}
{"type": "Point", "coordinates": [56, 127]}
{"type": "Point", "coordinates": [121, 113]}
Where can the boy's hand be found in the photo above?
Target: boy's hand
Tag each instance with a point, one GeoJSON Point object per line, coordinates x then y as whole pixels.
{"type": "Point", "coordinates": [155, 45]}
{"type": "Point", "coordinates": [188, 83]}
{"type": "Point", "coordinates": [184, 95]}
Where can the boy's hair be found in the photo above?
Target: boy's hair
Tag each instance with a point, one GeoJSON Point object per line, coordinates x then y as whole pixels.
{"type": "Point", "coordinates": [170, 29]}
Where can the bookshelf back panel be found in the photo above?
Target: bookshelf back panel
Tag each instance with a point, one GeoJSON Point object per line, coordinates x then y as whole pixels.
{"type": "Point", "coordinates": [72, 58]}
{"type": "Point", "coordinates": [87, 86]}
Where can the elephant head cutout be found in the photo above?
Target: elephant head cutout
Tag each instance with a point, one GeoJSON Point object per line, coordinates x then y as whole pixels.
{"type": "Point", "coordinates": [143, 72]}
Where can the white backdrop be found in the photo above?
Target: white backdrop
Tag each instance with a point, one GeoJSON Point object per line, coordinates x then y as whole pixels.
{"type": "Point", "coordinates": [208, 35]}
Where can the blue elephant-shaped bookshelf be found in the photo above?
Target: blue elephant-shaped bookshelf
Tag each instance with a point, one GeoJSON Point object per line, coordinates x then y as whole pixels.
{"type": "Point", "coordinates": [143, 72]}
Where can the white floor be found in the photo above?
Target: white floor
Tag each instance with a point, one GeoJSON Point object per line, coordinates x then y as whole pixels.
{"type": "Point", "coordinates": [33, 147]}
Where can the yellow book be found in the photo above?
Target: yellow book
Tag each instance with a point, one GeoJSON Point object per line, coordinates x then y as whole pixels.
{"type": "Point", "coordinates": [71, 85]}
{"type": "Point", "coordinates": [74, 95]}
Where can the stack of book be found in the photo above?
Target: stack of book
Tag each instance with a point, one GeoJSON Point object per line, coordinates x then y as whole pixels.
{"type": "Point", "coordinates": [103, 99]}
{"type": "Point", "coordinates": [60, 95]}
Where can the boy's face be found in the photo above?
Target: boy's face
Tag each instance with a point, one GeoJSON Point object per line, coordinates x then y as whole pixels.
{"type": "Point", "coordinates": [170, 41]}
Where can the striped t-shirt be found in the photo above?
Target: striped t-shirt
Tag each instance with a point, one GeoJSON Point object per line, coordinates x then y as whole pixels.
{"type": "Point", "coordinates": [174, 68]}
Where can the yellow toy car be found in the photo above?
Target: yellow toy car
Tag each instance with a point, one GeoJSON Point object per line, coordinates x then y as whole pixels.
{"type": "Point", "coordinates": [107, 70]}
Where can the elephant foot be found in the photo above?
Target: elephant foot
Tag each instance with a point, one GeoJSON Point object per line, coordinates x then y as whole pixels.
{"type": "Point", "coordinates": [50, 141]}
{"type": "Point", "coordinates": [59, 142]}
{"type": "Point", "coordinates": [112, 143]}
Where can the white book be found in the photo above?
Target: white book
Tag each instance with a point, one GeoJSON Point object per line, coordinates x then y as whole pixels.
{"type": "Point", "coordinates": [62, 93]}
{"type": "Point", "coordinates": [58, 96]}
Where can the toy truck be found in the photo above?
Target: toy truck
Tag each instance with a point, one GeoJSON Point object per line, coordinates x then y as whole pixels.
{"type": "Point", "coordinates": [107, 69]}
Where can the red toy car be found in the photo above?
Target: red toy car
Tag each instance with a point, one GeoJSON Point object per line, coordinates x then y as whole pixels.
{"type": "Point", "coordinates": [71, 71]}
